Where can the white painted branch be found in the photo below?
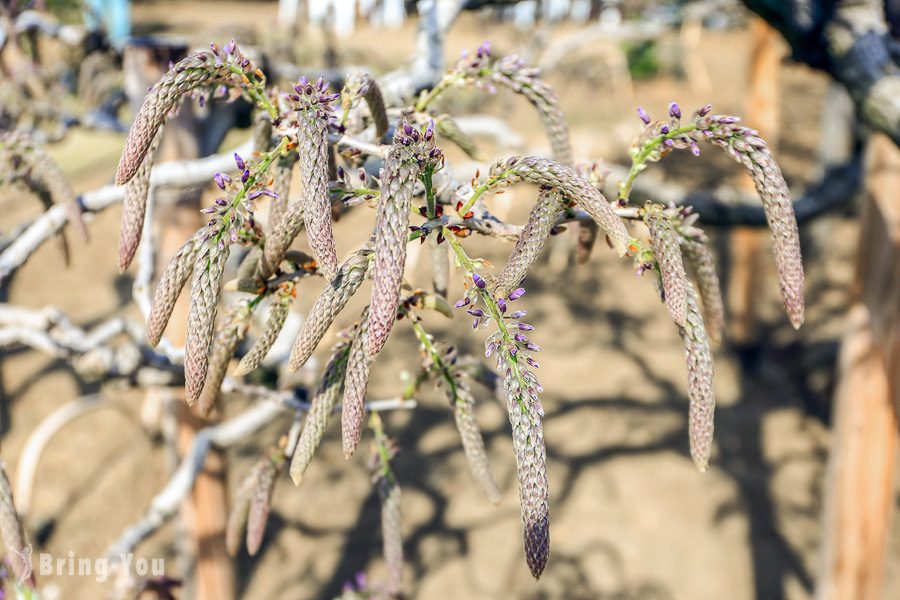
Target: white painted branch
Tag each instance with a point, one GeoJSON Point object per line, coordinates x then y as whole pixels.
{"type": "Point", "coordinates": [30, 325]}
{"type": "Point", "coordinates": [168, 501]}
{"type": "Point", "coordinates": [227, 433]}
{"type": "Point", "coordinates": [176, 173]}
{"type": "Point", "coordinates": [48, 330]}
{"type": "Point", "coordinates": [38, 440]}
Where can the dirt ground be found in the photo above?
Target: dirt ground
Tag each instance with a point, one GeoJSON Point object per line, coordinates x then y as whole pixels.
{"type": "Point", "coordinates": [631, 517]}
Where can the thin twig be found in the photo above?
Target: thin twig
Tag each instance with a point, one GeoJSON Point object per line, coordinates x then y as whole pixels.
{"type": "Point", "coordinates": [175, 173]}
{"type": "Point", "coordinates": [227, 433]}
{"type": "Point", "coordinates": [36, 443]}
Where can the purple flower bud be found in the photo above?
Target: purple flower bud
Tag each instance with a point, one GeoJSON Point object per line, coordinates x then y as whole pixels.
{"type": "Point", "coordinates": [221, 179]}
{"type": "Point", "coordinates": [520, 337]}
{"type": "Point", "coordinates": [461, 303]}
{"type": "Point", "coordinates": [674, 110]}
{"type": "Point", "coordinates": [669, 143]}
{"type": "Point", "coordinates": [213, 222]}
{"type": "Point", "coordinates": [501, 304]}
{"type": "Point", "coordinates": [526, 327]}
{"type": "Point", "coordinates": [301, 83]}
{"type": "Point", "coordinates": [233, 234]}
{"type": "Point", "coordinates": [245, 62]}
{"type": "Point", "coordinates": [476, 312]}
{"type": "Point", "coordinates": [515, 294]}
{"type": "Point", "coordinates": [475, 324]}
{"type": "Point", "coordinates": [481, 284]}
{"type": "Point", "coordinates": [518, 314]}
{"type": "Point", "coordinates": [513, 350]}
{"type": "Point", "coordinates": [489, 349]}
{"type": "Point", "coordinates": [408, 129]}
{"type": "Point", "coordinates": [221, 201]}
{"type": "Point", "coordinates": [320, 84]}
{"type": "Point", "coordinates": [664, 129]}
{"type": "Point", "coordinates": [533, 362]}
{"type": "Point", "coordinates": [239, 161]}
{"type": "Point", "coordinates": [208, 210]}
{"type": "Point", "coordinates": [695, 149]}
{"type": "Point", "coordinates": [643, 115]}
{"type": "Point", "coordinates": [361, 581]}
{"type": "Point", "coordinates": [704, 110]}
{"type": "Point", "coordinates": [245, 176]}
{"type": "Point", "coordinates": [362, 174]}
{"type": "Point", "coordinates": [229, 47]}
{"type": "Point", "coordinates": [254, 195]}
{"type": "Point", "coordinates": [533, 347]}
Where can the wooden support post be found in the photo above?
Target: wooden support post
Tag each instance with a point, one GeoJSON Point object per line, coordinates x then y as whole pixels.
{"type": "Point", "coordinates": [204, 513]}
{"type": "Point", "coordinates": [747, 244]}
{"type": "Point", "coordinates": [878, 266]}
{"type": "Point", "coordinates": [859, 489]}
{"type": "Point", "coordinates": [689, 37]}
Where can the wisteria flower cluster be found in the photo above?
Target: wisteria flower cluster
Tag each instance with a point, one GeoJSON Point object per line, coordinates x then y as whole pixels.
{"type": "Point", "coordinates": [300, 127]}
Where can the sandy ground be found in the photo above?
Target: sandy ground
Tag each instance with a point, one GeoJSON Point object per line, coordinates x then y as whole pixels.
{"type": "Point", "coordinates": [631, 516]}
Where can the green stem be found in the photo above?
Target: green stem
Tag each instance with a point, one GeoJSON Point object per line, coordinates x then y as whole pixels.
{"type": "Point", "coordinates": [638, 161]}
{"type": "Point", "coordinates": [356, 192]}
{"type": "Point", "coordinates": [429, 192]}
{"type": "Point", "coordinates": [261, 168]}
{"type": "Point", "coordinates": [492, 181]}
{"type": "Point", "coordinates": [425, 339]}
{"type": "Point", "coordinates": [479, 191]}
{"type": "Point", "coordinates": [257, 91]}
{"type": "Point", "coordinates": [513, 359]}
{"type": "Point", "coordinates": [427, 98]}
{"type": "Point", "coordinates": [449, 80]}
{"type": "Point", "coordinates": [346, 104]}
{"type": "Point", "coordinates": [381, 446]}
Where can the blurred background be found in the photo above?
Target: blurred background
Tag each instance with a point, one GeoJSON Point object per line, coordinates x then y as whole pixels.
{"type": "Point", "coordinates": [631, 516]}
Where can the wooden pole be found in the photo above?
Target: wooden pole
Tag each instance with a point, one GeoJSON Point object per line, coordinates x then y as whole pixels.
{"type": "Point", "coordinates": [689, 37]}
{"type": "Point", "coordinates": [748, 244]}
{"type": "Point", "coordinates": [204, 513]}
{"type": "Point", "coordinates": [859, 488]}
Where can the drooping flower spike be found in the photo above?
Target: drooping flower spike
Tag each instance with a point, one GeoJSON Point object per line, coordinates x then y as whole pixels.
{"type": "Point", "coordinates": [411, 151]}
{"type": "Point", "coordinates": [746, 147]}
